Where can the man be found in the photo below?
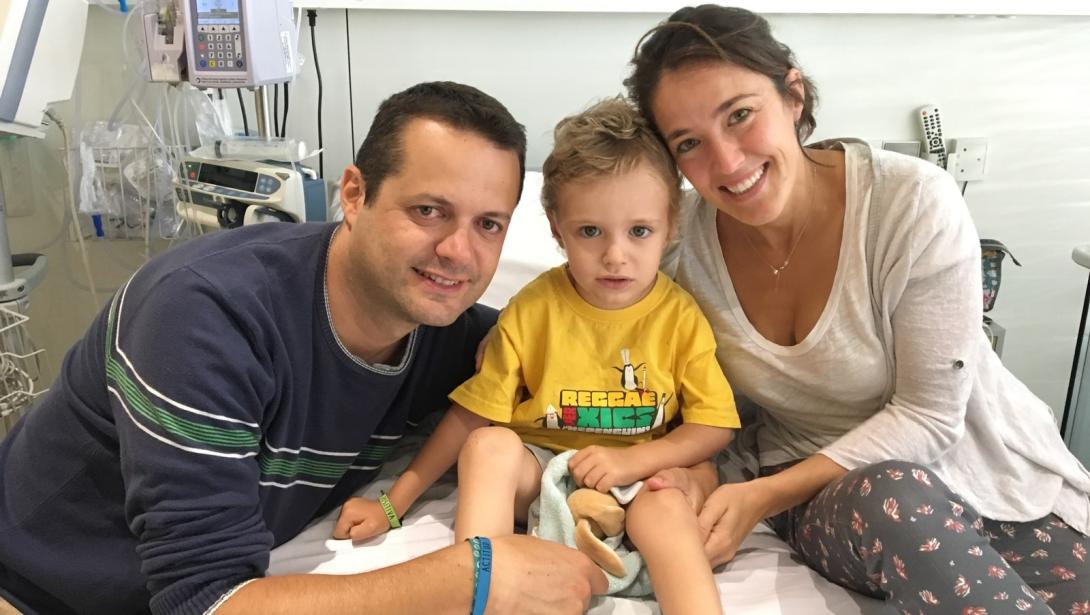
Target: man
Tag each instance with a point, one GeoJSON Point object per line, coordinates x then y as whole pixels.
{"type": "Point", "coordinates": [247, 382]}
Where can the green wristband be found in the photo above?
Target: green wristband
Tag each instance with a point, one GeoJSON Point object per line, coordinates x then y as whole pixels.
{"type": "Point", "coordinates": [388, 508]}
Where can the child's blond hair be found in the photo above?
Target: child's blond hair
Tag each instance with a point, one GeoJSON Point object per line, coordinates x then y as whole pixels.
{"type": "Point", "coordinates": [609, 138]}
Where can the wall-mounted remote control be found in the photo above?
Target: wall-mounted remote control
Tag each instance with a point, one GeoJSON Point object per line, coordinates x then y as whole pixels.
{"type": "Point", "coordinates": [933, 144]}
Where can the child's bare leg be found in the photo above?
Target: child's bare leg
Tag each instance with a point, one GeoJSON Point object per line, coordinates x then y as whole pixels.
{"type": "Point", "coordinates": [498, 479]}
{"type": "Point", "coordinates": [664, 528]}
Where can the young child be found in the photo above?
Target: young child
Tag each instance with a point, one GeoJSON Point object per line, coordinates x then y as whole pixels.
{"type": "Point", "coordinates": [597, 355]}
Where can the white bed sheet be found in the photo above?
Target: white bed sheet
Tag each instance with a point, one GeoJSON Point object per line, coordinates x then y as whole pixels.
{"type": "Point", "coordinates": [765, 578]}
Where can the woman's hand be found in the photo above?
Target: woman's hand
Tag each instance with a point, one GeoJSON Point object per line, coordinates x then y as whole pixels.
{"type": "Point", "coordinates": [732, 511]}
{"type": "Point", "coordinates": [729, 515]}
{"type": "Point", "coordinates": [695, 483]}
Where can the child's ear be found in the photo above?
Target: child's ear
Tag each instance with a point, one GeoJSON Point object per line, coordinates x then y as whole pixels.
{"type": "Point", "coordinates": [552, 228]}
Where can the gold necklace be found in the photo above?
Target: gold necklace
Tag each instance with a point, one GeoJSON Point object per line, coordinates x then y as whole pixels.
{"type": "Point", "coordinates": [776, 271]}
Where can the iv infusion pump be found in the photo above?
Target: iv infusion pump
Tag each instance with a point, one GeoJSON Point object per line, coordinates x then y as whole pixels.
{"type": "Point", "coordinates": [239, 43]}
{"type": "Point", "coordinates": [231, 193]}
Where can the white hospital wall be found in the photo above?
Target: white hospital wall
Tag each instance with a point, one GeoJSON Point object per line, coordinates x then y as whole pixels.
{"type": "Point", "coordinates": [1020, 82]}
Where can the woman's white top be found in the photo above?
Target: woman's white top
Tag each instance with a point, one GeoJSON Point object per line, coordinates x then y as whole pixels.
{"type": "Point", "coordinates": [898, 365]}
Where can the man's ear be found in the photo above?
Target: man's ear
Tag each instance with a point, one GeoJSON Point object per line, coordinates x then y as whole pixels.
{"type": "Point", "coordinates": [794, 83]}
{"type": "Point", "coordinates": [353, 194]}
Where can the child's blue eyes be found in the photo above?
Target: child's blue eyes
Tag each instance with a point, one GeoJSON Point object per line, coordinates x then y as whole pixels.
{"type": "Point", "coordinates": [639, 232]}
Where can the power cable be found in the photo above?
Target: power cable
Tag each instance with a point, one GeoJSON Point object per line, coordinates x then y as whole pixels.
{"type": "Point", "coordinates": [284, 122]}
{"type": "Point", "coordinates": [312, 16]}
{"type": "Point", "coordinates": [276, 110]}
{"type": "Point", "coordinates": [351, 103]}
{"type": "Point", "coordinates": [242, 105]}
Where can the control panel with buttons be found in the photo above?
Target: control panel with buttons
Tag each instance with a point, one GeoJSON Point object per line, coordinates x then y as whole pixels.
{"type": "Point", "coordinates": [229, 181]}
{"type": "Point", "coordinates": [240, 43]}
{"type": "Point", "coordinates": [219, 48]}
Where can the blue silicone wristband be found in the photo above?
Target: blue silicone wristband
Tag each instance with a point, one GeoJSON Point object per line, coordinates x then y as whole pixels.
{"type": "Point", "coordinates": [482, 572]}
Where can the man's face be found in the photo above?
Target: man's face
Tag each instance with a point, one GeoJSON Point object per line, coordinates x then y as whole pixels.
{"type": "Point", "coordinates": [426, 247]}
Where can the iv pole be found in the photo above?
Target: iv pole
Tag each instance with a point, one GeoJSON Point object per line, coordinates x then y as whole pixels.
{"type": "Point", "coordinates": [264, 120]}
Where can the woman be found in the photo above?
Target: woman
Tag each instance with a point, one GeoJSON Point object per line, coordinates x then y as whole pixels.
{"type": "Point", "coordinates": [896, 454]}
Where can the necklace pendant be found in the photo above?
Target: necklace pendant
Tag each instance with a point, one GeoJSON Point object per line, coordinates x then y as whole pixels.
{"type": "Point", "coordinates": [775, 271]}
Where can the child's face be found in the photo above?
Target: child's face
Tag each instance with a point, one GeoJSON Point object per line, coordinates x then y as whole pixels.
{"type": "Point", "coordinates": [614, 230]}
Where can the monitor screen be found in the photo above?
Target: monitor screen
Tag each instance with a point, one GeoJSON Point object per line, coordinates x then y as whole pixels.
{"type": "Point", "coordinates": [239, 179]}
{"type": "Point", "coordinates": [217, 12]}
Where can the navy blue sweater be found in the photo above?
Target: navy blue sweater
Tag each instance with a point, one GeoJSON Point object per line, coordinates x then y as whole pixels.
{"type": "Point", "coordinates": [206, 417]}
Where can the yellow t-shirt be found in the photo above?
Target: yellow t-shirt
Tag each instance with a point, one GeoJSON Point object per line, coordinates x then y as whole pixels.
{"type": "Point", "coordinates": [564, 374]}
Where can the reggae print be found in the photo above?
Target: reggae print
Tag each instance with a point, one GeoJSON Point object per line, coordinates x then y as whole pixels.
{"type": "Point", "coordinates": [630, 410]}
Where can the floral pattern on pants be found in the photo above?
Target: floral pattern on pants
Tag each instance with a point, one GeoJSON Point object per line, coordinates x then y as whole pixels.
{"type": "Point", "coordinates": [895, 531]}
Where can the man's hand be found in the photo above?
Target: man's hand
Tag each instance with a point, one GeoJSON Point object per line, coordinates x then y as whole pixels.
{"type": "Point", "coordinates": [602, 468]}
{"type": "Point", "coordinates": [360, 519]}
{"type": "Point", "coordinates": [531, 576]}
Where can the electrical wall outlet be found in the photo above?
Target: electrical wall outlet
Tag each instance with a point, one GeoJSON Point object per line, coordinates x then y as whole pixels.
{"type": "Point", "coordinates": [971, 157]}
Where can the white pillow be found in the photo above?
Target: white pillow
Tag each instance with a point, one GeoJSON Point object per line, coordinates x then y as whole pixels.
{"type": "Point", "coordinates": [529, 248]}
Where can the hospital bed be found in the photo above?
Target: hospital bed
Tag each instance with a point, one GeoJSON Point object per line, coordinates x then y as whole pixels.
{"type": "Point", "coordinates": [765, 577]}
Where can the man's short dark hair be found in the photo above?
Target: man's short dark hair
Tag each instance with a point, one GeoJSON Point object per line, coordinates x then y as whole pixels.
{"type": "Point", "coordinates": [454, 104]}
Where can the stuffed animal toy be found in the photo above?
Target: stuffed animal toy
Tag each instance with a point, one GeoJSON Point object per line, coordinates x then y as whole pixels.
{"type": "Point", "coordinates": [598, 516]}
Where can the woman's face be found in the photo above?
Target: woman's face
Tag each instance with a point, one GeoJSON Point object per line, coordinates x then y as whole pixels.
{"type": "Point", "coordinates": [733, 136]}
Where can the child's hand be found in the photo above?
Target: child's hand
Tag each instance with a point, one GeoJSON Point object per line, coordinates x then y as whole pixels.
{"type": "Point", "coordinates": [479, 357]}
{"type": "Point", "coordinates": [360, 519]}
{"type": "Point", "coordinates": [601, 468]}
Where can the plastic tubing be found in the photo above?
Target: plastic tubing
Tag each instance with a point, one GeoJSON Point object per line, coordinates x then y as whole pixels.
{"type": "Point", "coordinates": [72, 205]}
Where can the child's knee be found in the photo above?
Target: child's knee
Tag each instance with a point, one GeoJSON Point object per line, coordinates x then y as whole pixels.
{"type": "Point", "coordinates": [493, 445]}
{"type": "Point", "coordinates": [654, 511]}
